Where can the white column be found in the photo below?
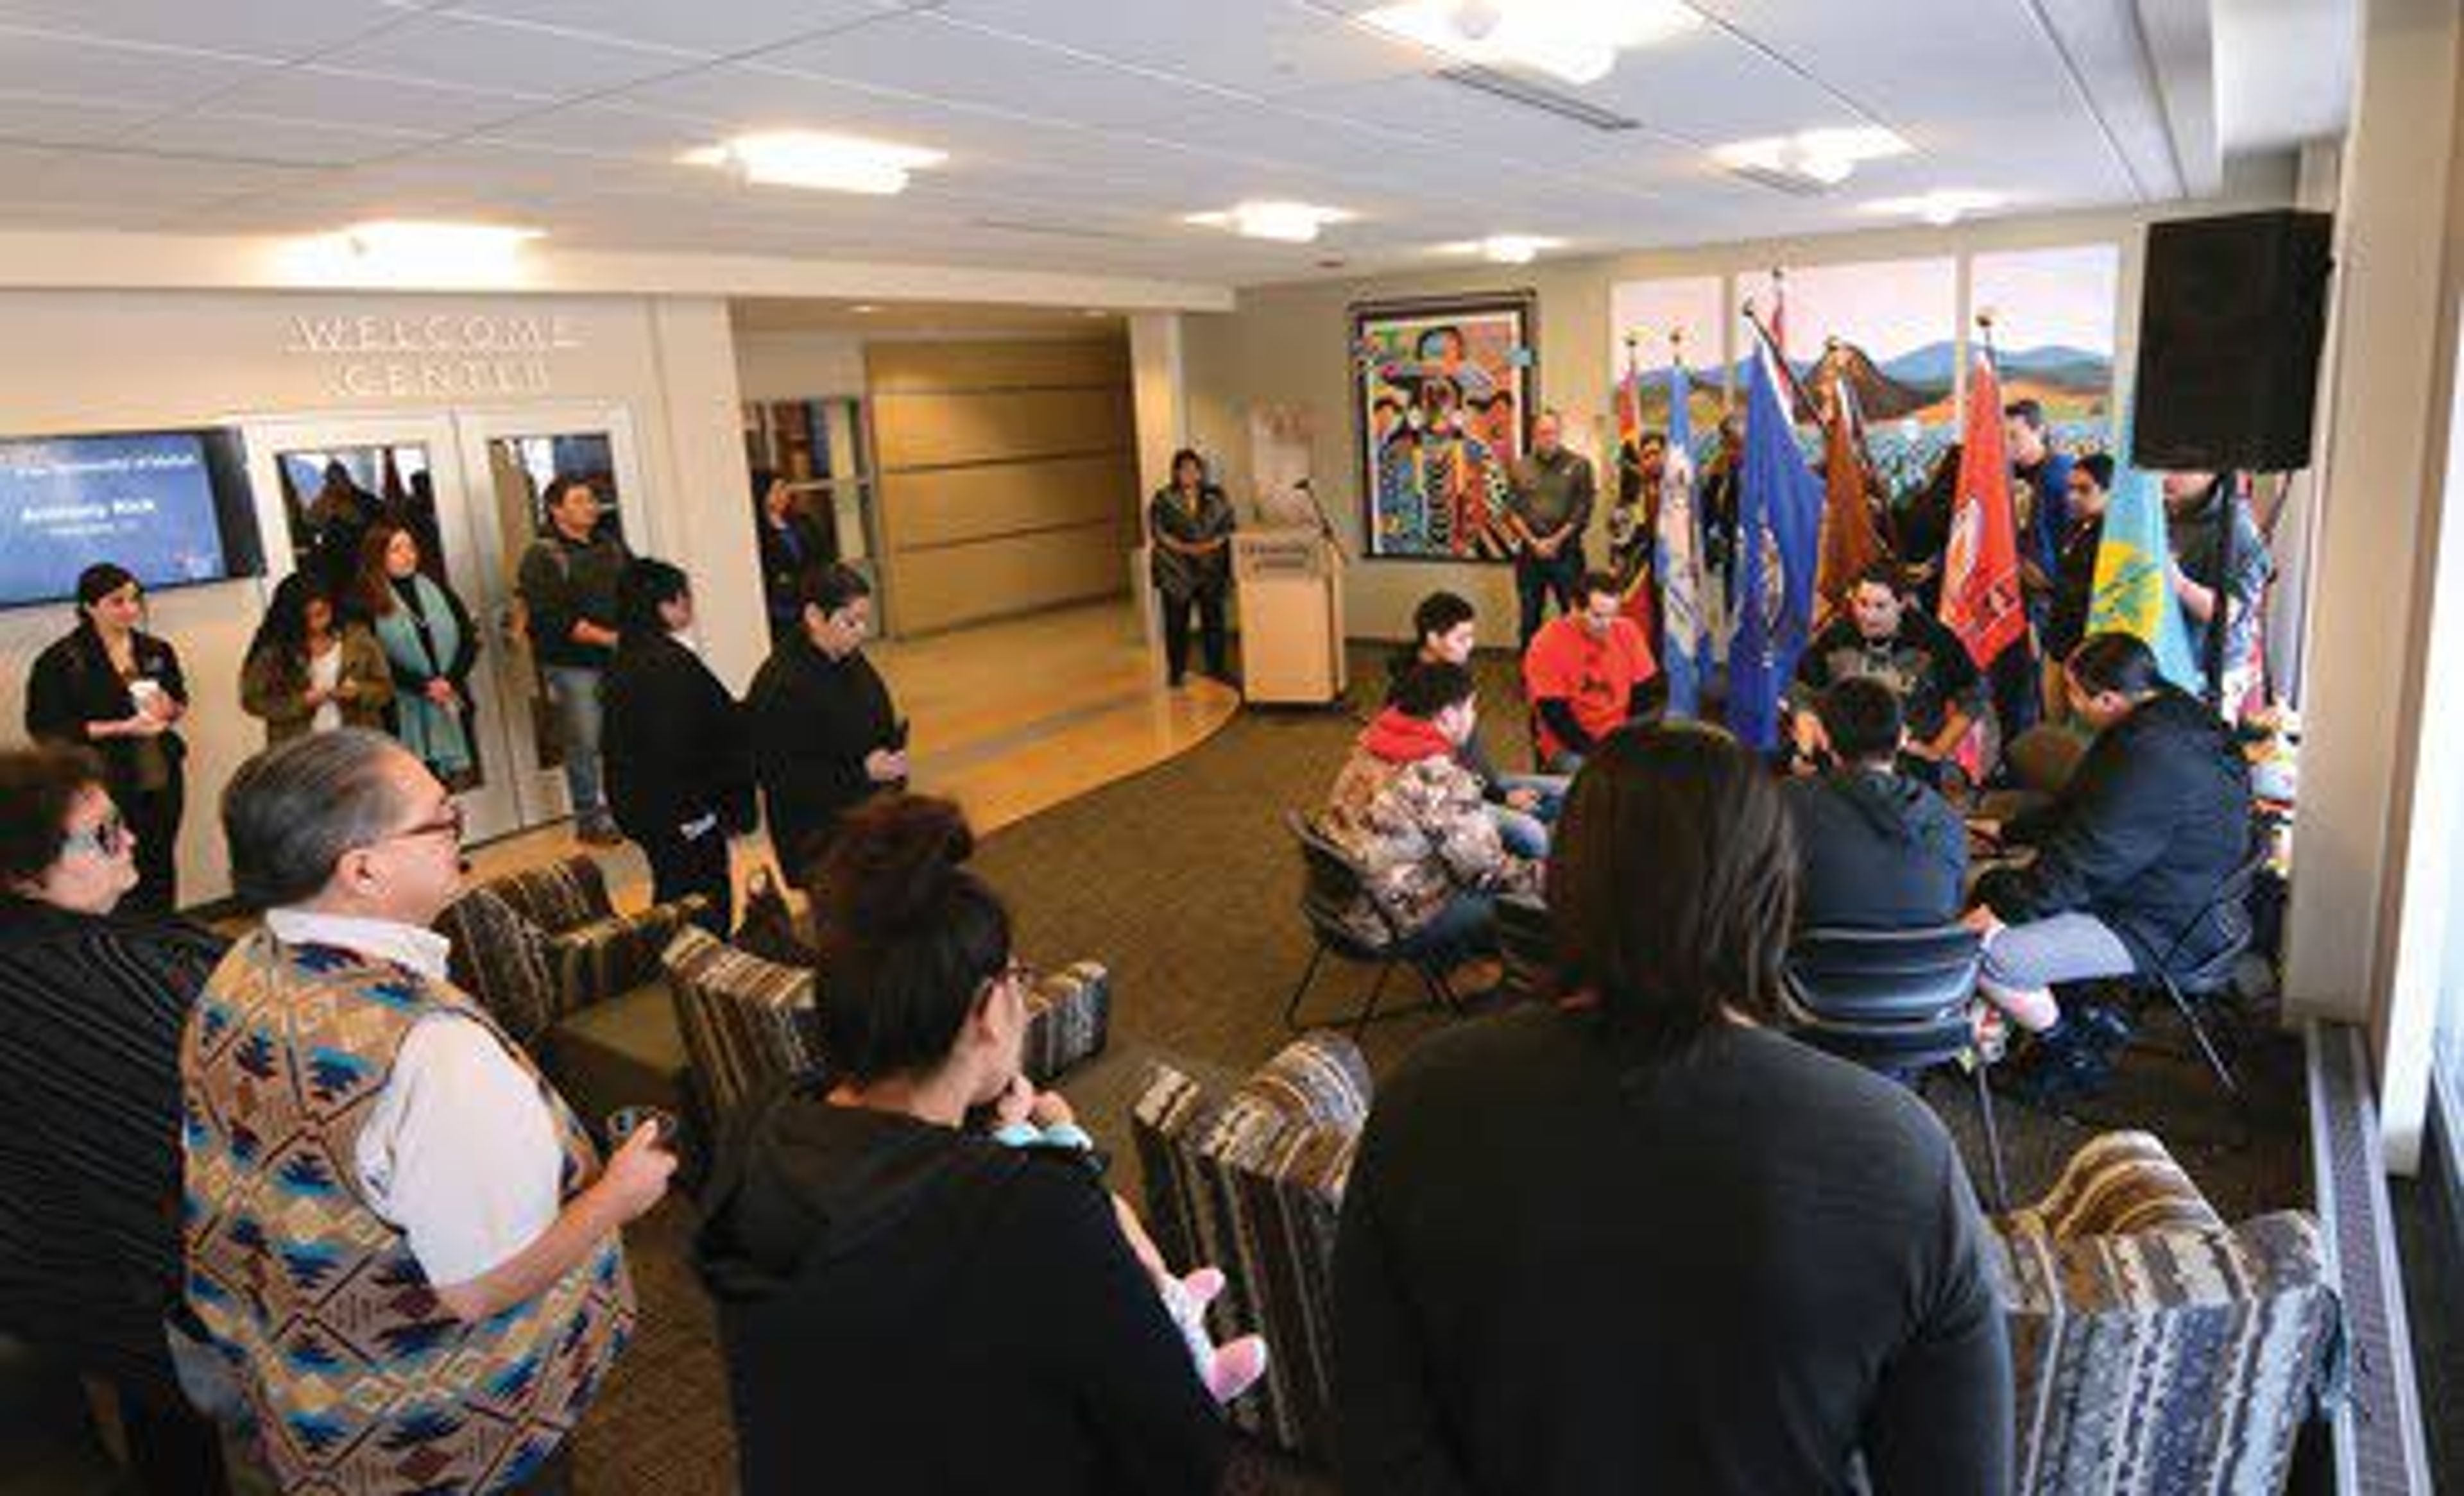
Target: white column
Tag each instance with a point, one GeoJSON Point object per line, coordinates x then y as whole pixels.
{"type": "Point", "coordinates": [2363, 722]}
{"type": "Point", "coordinates": [709, 495]}
{"type": "Point", "coordinates": [1160, 393]}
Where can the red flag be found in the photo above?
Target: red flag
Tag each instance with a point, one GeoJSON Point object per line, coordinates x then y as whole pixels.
{"type": "Point", "coordinates": [1980, 566]}
{"type": "Point", "coordinates": [1850, 541]}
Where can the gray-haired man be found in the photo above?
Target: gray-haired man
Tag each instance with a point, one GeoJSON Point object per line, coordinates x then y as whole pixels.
{"type": "Point", "coordinates": [397, 1232]}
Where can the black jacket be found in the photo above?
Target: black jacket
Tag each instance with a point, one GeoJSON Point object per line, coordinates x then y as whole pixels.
{"type": "Point", "coordinates": [815, 719]}
{"type": "Point", "coordinates": [2156, 816]}
{"type": "Point", "coordinates": [91, 1013]}
{"type": "Point", "coordinates": [73, 684]}
{"type": "Point", "coordinates": [907, 1307]}
{"type": "Point", "coordinates": [673, 744]}
{"type": "Point", "coordinates": [786, 555]}
{"type": "Point", "coordinates": [562, 582]}
{"type": "Point", "coordinates": [1721, 1273]}
{"type": "Point", "coordinates": [1879, 851]}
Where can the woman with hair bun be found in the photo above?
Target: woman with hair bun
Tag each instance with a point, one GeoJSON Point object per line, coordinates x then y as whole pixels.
{"type": "Point", "coordinates": [907, 1304]}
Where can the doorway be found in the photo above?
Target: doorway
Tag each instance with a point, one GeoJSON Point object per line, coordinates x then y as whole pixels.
{"type": "Point", "coordinates": [470, 486]}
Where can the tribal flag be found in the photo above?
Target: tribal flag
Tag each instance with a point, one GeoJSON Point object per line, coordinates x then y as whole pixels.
{"type": "Point", "coordinates": [1677, 559]}
{"type": "Point", "coordinates": [1779, 514]}
{"type": "Point", "coordinates": [1851, 541]}
{"type": "Point", "coordinates": [2132, 595]}
{"type": "Point", "coordinates": [1980, 567]}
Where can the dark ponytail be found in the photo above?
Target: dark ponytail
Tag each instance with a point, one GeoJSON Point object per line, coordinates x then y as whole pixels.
{"type": "Point", "coordinates": [908, 937]}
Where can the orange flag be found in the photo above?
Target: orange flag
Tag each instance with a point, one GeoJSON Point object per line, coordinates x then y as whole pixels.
{"type": "Point", "coordinates": [1980, 566]}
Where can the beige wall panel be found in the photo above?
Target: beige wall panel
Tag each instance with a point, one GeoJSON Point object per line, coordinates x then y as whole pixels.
{"type": "Point", "coordinates": [989, 579]}
{"type": "Point", "coordinates": [944, 505]}
{"type": "Point", "coordinates": [1008, 363]}
{"type": "Point", "coordinates": [926, 430]}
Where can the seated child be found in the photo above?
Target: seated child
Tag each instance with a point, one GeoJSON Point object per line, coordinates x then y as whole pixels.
{"type": "Point", "coordinates": [1024, 1117]}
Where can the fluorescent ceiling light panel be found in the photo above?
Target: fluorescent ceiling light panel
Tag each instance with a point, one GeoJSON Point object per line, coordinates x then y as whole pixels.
{"type": "Point", "coordinates": [1576, 40]}
{"type": "Point", "coordinates": [817, 160]}
{"type": "Point", "coordinates": [1828, 157]}
{"type": "Point", "coordinates": [1940, 208]}
{"type": "Point", "coordinates": [1284, 222]}
{"type": "Point", "coordinates": [1505, 249]}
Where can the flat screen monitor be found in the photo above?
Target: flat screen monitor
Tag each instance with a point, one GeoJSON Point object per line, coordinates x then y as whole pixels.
{"type": "Point", "coordinates": [173, 507]}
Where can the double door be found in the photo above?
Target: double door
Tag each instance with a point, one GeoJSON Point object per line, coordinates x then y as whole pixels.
{"type": "Point", "coordinates": [470, 486]}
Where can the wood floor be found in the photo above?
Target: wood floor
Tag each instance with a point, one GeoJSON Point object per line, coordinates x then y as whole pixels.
{"type": "Point", "coordinates": [1008, 719]}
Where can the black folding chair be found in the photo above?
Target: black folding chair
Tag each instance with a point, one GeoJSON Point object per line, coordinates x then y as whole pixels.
{"type": "Point", "coordinates": [1895, 1002]}
{"type": "Point", "coordinates": [1525, 948]}
{"type": "Point", "coordinates": [2211, 982]}
{"type": "Point", "coordinates": [1332, 884]}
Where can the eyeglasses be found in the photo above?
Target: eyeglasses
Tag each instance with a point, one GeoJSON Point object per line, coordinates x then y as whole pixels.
{"type": "Point", "coordinates": [448, 823]}
{"type": "Point", "coordinates": [104, 838]}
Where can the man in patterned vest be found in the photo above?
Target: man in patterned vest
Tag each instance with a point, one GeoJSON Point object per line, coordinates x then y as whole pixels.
{"type": "Point", "coordinates": [397, 1233]}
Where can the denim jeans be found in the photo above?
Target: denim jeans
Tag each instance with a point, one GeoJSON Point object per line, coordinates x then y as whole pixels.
{"type": "Point", "coordinates": [1525, 832]}
{"type": "Point", "coordinates": [573, 690]}
{"type": "Point", "coordinates": [2055, 950]}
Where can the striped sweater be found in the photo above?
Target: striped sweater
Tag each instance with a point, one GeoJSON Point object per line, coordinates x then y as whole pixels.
{"type": "Point", "coordinates": [91, 1010]}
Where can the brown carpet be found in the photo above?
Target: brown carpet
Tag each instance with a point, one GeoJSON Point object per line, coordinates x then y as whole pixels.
{"type": "Point", "coordinates": [1182, 881]}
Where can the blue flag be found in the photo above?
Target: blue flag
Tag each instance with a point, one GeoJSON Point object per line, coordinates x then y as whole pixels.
{"type": "Point", "coordinates": [2134, 594]}
{"type": "Point", "coordinates": [1677, 559]}
{"type": "Point", "coordinates": [1780, 525]}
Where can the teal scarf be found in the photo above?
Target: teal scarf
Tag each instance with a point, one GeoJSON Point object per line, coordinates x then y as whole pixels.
{"type": "Point", "coordinates": [428, 730]}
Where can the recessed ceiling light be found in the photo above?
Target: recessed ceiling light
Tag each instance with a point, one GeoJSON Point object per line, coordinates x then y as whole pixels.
{"type": "Point", "coordinates": [817, 160]}
{"type": "Point", "coordinates": [1827, 156]}
{"type": "Point", "coordinates": [1576, 40]}
{"type": "Point", "coordinates": [1286, 223]}
{"type": "Point", "coordinates": [1503, 249]}
{"type": "Point", "coordinates": [1940, 208]}
{"type": "Point", "coordinates": [1094, 310]}
{"type": "Point", "coordinates": [864, 309]}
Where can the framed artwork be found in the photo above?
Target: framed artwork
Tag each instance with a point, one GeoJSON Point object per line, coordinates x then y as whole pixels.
{"type": "Point", "coordinates": [1444, 391]}
{"type": "Point", "coordinates": [1887, 330]}
{"type": "Point", "coordinates": [2054, 313]}
{"type": "Point", "coordinates": [1642, 317]}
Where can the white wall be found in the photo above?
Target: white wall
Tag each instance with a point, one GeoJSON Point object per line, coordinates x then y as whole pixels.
{"type": "Point", "coordinates": [90, 360]}
{"type": "Point", "coordinates": [1289, 345]}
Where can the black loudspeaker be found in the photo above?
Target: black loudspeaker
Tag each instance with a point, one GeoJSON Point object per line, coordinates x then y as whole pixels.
{"type": "Point", "coordinates": [2230, 324]}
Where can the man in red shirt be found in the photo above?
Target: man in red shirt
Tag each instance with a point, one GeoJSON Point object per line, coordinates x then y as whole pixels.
{"type": "Point", "coordinates": [1584, 673]}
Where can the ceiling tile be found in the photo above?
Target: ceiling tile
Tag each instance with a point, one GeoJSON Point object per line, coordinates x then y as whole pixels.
{"type": "Point", "coordinates": [604, 131]}
{"type": "Point", "coordinates": [350, 98]}
{"type": "Point", "coordinates": [1262, 47]}
{"type": "Point", "coordinates": [275, 30]}
{"type": "Point", "coordinates": [713, 30]}
{"type": "Point", "coordinates": [505, 57]}
{"type": "Point", "coordinates": [166, 77]}
{"type": "Point", "coordinates": [924, 55]}
{"type": "Point", "coordinates": [260, 138]}
{"type": "Point", "coordinates": [56, 119]}
{"type": "Point", "coordinates": [85, 176]}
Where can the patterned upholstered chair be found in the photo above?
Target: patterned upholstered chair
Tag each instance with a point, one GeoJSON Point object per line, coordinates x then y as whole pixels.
{"type": "Point", "coordinates": [1251, 1181]}
{"type": "Point", "coordinates": [748, 1022]}
{"type": "Point", "coordinates": [575, 983]}
{"type": "Point", "coordinates": [2155, 1348]}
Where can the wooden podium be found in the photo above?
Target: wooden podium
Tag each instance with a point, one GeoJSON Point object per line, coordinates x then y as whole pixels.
{"type": "Point", "coordinates": [1290, 582]}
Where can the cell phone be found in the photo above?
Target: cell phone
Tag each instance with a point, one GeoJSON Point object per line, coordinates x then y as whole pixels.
{"type": "Point", "coordinates": [626, 1121]}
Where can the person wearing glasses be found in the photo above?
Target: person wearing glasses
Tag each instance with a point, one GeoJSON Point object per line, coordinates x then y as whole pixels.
{"type": "Point", "coordinates": [110, 686]}
{"type": "Point", "coordinates": [375, 1171]}
{"type": "Point", "coordinates": [91, 1005]}
{"type": "Point", "coordinates": [885, 1275]}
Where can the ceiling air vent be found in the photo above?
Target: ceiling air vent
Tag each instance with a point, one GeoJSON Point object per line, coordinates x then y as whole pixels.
{"type": "Point", "coordinates": [1514, 89]}
{"type": "Point", "coordinates": [1787, 182]}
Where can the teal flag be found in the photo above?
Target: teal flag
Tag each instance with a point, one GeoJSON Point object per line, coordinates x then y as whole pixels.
{"type": "Point", "coordinates": [2134, 564]}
